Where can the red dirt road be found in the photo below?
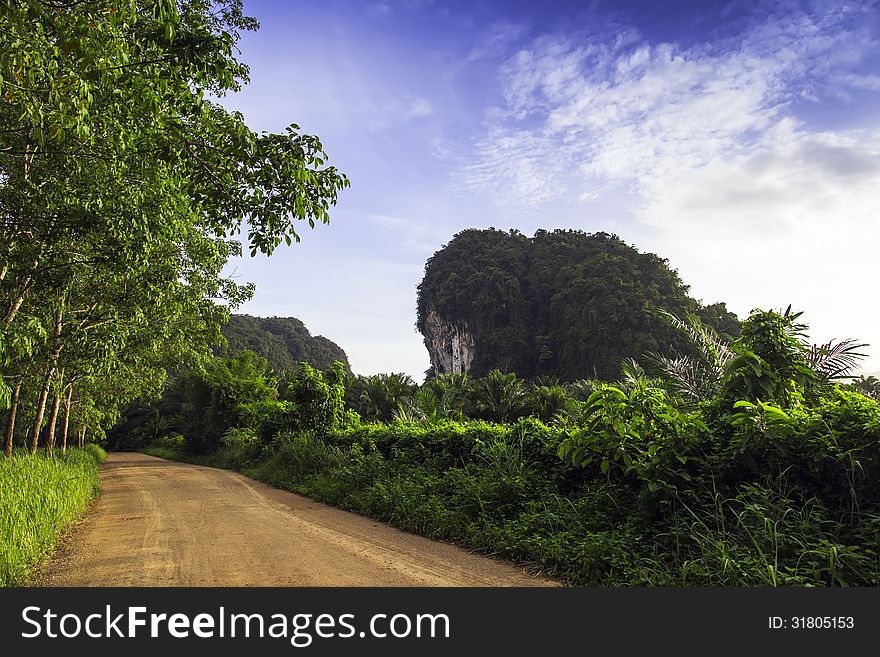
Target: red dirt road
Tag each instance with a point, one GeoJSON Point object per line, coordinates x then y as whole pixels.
{"type": "Point", "coordinates": [162, 523]}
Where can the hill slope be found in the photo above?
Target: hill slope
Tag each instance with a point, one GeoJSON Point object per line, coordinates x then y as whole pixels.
{"type": "Point", "coordinates": [283, 341]}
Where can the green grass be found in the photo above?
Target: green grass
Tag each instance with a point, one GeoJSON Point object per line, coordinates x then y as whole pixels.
{"type": "Point", "coordinates": [40, 497]}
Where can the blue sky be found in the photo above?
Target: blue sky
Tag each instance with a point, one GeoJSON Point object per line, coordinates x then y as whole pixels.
{"type": "Point", "coordinates": [740, 140]}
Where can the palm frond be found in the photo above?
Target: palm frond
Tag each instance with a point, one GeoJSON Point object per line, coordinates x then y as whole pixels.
{"type": "Point", "coordinates": [632, 371]}
{"type": "Point", "coordinates": [714, 351]}
{"type": "Point", "coordinates": [835, 360]}
{"type": "Point", "coordinates": [686, 376]}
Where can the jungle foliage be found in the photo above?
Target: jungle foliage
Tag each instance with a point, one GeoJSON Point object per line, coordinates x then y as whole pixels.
{"type": "Point", "coordinates": [766, 477]}
{"type": "Point", "coordinates": [122, 187]}
{"type": "Point", "coordinates": [563, 303]}
{"type": "Point", "coordinates": [283, 341]}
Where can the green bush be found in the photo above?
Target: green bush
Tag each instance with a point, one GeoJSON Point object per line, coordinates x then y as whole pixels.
{"type": "Point", "coordinates": [173, 441]}
{"type": "Point", "coordinates": [239, 448]}
{"type": "Point", "coordinates": [318, 400]}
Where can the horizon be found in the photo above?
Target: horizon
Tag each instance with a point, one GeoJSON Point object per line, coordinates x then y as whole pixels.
{"type": "Point", "coordinates": [739, 142]}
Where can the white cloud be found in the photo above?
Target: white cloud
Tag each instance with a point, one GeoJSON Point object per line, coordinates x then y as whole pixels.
{"type": "Point", "coordinates": [411, 235]}
{"type": "Point", "coordinates": [495, 40]}
{"type": "Point", "coordinates": [515, 167]}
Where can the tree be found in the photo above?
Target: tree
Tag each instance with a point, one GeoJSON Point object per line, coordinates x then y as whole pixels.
{"type": "Point", "coordinates": [774, 363]}
{"type": "Point", "coordinates": [377, 397]}
{"type": "Point", "coordinates": [501, 397]}
{"type": "Point", "coordinates": [695, 376]}
{"type": "Point", "coordinates": [318, 401]}
{"type": "Point", "coordinates": [868, 386]}
{"type": "Point", "coordinates": [122, 182]}
{"type": "Point", "coordinates": [222, 393]}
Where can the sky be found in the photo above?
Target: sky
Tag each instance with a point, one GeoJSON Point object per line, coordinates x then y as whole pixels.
{"type": "Point", "coordinates": [738, 140]}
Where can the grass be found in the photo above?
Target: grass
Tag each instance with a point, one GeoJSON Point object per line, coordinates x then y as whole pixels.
{"type": "Point", "coordinates": [40, 497]}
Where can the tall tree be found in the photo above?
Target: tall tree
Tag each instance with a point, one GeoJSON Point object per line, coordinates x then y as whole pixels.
{"type": "Point", "coordinates": [122, 186]}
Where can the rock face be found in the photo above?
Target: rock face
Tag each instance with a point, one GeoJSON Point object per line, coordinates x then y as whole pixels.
{"type": "Point", "coordinates": [450, 345]}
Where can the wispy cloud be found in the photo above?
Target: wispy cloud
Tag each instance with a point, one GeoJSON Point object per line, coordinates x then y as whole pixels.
{"type": "Point", "coordinates": [621, 108]}
{"type": "Point", "coordinates": [380, 9]}
{"type": "Point", "coordinates": [410, 235]}
{"type": "Point", "coordinates": [496, 40]}
{"type": "Point", "coordinates": [420, 107]}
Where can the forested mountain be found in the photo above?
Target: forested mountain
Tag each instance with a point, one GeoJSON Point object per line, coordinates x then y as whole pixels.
{"type": "Point", "coordinates": [283, 341]}
{"type": "Point", "coordinates": [563, 303]}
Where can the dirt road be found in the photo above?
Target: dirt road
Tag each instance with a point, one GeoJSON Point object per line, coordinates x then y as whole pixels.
{"type": "Point", "coordinates": [161, 523]}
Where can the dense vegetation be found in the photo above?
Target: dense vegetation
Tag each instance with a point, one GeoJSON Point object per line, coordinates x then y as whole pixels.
{"type": "Point", "coordinates": [727, 455]}
{"type": "Point", "coordinates": [123, 186]}
{"type": "Point", "coordinates": [563, 303]}
{"type": "Point", "coordinates": [744, 464]}
{"type": "Point", "coordinates": [283, 341]}
{"type": "Point", "coordinates": [40, 497]}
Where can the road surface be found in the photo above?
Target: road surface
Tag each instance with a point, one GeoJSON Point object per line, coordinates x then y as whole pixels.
{"type": "Point", "coordinates": [163, 523]}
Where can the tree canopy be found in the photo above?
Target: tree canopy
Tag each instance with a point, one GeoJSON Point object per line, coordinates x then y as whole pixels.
{"type": "Point", "coordinates": [123, 186]}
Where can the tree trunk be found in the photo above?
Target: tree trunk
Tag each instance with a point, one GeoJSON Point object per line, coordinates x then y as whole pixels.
{"type": "Point", "coordinates": [66, 418]}
{"type": "Point", "coordinates": [47, 382]}
{"type": "Point", "coordinates": [16, 303]}
{"type": "Point", "coordinates": [10, 425]}
{"type": "Point", "coordinates": [53, 418]}
{"type": "Point", "coordinates": [82, 438]}
{"type": "Point", "coordinates": [41, 409]}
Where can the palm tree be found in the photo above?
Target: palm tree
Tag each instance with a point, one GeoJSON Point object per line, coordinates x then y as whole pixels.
{"type": "Point", "coordinates": [550, 403]}
{"type": "Point", "coordinates": [581, 389]}
{"type": "Point", "coordinates": [453, 393]}
{"type": "Point", "coordinates": [424, 405]}
{"type": "Point", "coordinates": [377, 397]}
{"type": "Point", "coordinates": [698, 377]}
{"type": "Point", "coordinates": [835, 360]}
{"type": "Point", "coordinates": [546, 381]}
{"type": "Point", "coordinates": [501, 397]}
{"type": "Point", "coordinates": [694, 378]}
{"type": "Point", "coordinates": [868, 386]}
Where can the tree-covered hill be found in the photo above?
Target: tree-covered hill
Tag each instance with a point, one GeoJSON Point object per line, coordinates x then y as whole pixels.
{"type": "Point", "coordinates": [563, 303]}
{"type": "Point", "coordinates": [283, 341]}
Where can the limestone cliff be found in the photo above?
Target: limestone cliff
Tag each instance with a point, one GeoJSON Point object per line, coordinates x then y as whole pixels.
{"type": "Point", "coordinates": [451, 345]}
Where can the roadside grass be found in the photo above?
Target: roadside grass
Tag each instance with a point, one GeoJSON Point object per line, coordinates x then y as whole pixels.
{"type": "Point", "coordinates": [40, 497]}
